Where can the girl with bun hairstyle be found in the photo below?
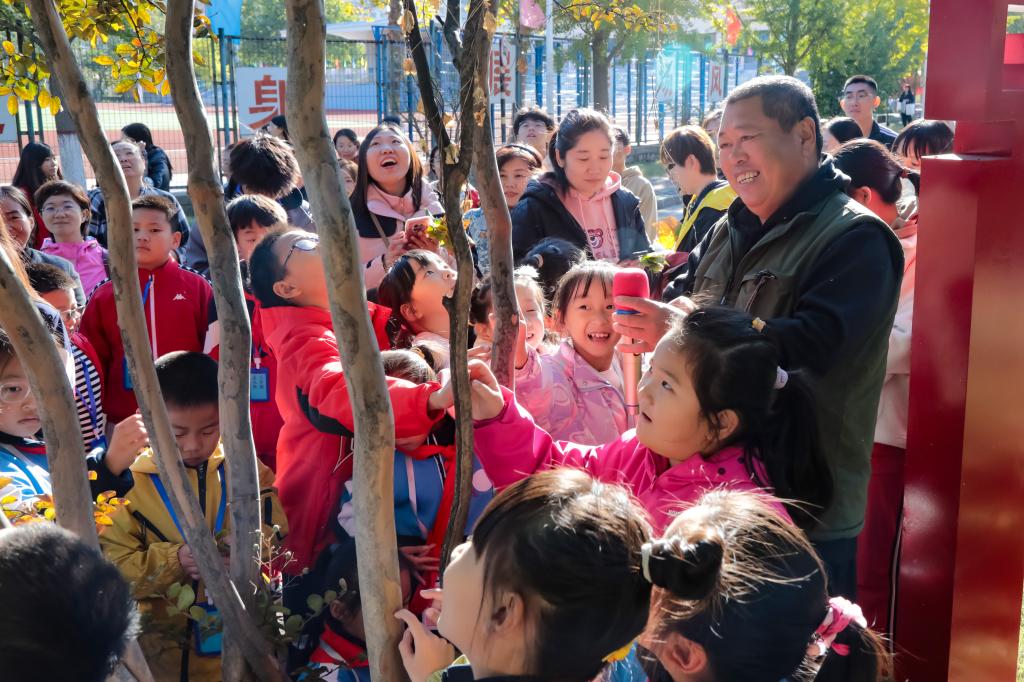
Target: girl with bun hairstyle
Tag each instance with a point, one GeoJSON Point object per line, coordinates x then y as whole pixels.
{"type": "Point", "coordinates": [740, 596]}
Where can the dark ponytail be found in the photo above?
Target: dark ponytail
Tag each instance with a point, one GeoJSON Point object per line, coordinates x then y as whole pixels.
{"type": "Point", "coordinates": [869, 164]}
{"type": "Point", "coordinates": [735, 577]}
{"type": "Point", "coordinates": [736, 367]}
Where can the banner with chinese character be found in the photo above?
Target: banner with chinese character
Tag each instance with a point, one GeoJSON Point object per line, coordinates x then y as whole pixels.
{"type": "Point", "coordinates": [665, 78]}
{"type": "Point", "coordinates": [501, 85]}
{"type": "Point", "coordinates": [260, 93]}
{"type": "Point", "coordinates": [716, 74]}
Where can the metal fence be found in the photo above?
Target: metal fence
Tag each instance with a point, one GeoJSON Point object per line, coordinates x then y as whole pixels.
{"type": "Point", "coordinates": [649, 94]}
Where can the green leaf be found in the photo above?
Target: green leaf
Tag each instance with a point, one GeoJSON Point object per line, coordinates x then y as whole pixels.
{"type": "Point", "coordinates": [330, 596]}
{"type": "Point", "coordinates": [124, 85]}
{"type": "Point", "coordinates": [173, 591]}
{"type": "Point", "coordinates": [293, 625]}
{"type": "Point", "coordinates": [12, 105]}
{"type": "Point", "coordinates": [197, 613]}
{"type": "Point", "coordinates": [315, 602]}
{"type": "Point", "coordinates": [186, 597]}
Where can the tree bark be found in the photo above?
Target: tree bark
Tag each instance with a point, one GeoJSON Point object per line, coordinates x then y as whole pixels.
{"type": "Point", "coordinates": [455, 170]}
{"type": "Point", "coordinates": [207, 196]}
{"type": "Point", "coordinates": [499, 229]}
{"type": "Point", "coordinates": [132, 322]}
{"type": "Point", "coordinates": [374, 446]}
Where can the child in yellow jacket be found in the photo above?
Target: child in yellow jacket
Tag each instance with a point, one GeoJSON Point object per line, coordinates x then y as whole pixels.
{"type": "Point", "coordinates": [145, 541]}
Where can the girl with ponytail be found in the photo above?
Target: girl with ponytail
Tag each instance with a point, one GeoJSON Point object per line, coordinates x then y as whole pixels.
{"type": "Point", "coordinates": [875, 181]}
{"type": "Point", "coordinates": [740, 595]}
{"type": "Point", "coordinates": [716, 410]}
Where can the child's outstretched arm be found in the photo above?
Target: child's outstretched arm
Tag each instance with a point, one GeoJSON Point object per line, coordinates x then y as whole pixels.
{"type": "Point", "coordinates": [511, 446]}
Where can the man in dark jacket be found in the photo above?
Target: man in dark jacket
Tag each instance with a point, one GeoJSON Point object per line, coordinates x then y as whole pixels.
{"type": "Point", "coordinates": [820, 270]}
{"type": "Point", "coordinates": [860, 97]}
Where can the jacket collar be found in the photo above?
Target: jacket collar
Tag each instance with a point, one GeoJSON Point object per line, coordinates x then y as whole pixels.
{"type": "Point", "coordinates": [584, 376]}
{"type": "Point", "coordinates": [146, 462]}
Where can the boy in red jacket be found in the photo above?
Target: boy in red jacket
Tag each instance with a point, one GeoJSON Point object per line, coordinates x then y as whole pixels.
{"type": "Point", "coordinates": [175, 300]}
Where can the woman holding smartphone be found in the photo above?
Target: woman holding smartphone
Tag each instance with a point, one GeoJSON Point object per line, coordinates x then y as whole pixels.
{"type": "Point", "coordinates": [392, 203]}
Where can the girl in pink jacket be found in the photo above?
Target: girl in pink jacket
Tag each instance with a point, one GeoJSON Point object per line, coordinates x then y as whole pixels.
{"type": "Point", "coordinates": [715, 410]}
{"type": "Point", "coordinates": [576, 392]}
{"type": "Point", "coordinates": [64, 207]}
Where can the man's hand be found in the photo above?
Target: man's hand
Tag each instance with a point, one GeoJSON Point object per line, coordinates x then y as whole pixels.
{"type": "Point", "coordinates": [642, 330]}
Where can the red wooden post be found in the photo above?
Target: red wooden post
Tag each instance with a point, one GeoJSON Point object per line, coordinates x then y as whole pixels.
{"type": "Point", "coordinates": [962, 569]}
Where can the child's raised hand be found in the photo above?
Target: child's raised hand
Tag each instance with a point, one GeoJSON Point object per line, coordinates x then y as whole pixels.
{"type": "Point", "coordinates": [432, 613]}
{"type": "Point", "coordinates": [423, 652]}
{"type": "Point", "coordinates": [126, 442]}
{"type": "Point", "coordinates": [421, 559]}
{"type": "Point", "coordinates": [488, 402]}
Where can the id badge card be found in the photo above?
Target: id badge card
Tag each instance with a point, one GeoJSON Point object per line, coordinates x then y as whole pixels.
{"type": "Point", "coordinates": [209, 645]}
{"type": "Point", "coordinates": [259, 385]}
{"type": "Point", "coordinates": [127, 376]}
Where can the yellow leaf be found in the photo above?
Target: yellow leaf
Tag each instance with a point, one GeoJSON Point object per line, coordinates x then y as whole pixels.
{"type": "Point", "coordinates": [44, 99]}
{"type": "Point", "coordinates": [451, 154]}
{"type": "Point", "coordinates": [54, 110]}
{"type": "Point", "coordinates": [10, 499]}
{"type": "Point", "coordinates": [148, 85]}
{"type": "Point", "coordinates": [104, 60]}
{"type": "Point", "coordinates": [103, 520]}
{"type": "Point", "coordinates": [93, 475]}
{"type": "Point", "coordinates": [407, 22]}
{"type": "Point", "coordinates": [165, 88]}
{"type": "Point", "coordinates": [124, 85]}
{"type": "Point", "coordinates": [9, 47]}
{"type": "Point", "coordinates": [490, 24]}
{"type": "Point", "coordinates": [5, 481]}
{"type": "Point", "coordinates": [12, 105]}
{"type": "Point", "coordinates": [50, 514]}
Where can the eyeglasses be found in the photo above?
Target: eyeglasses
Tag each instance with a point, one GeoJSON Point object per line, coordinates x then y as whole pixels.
{"type": "Point", "coordinates": [72, 314]}
{"type": "Point", "coordinates": [50, 209]}
{"type": "Point", "coordinates": [306, 244]}
{"type": "Point", "coordinates": [859, 95]}
{"type": "Point", "coordinates": [15, 392]}
{"type": "Point", "coordinates": [669, 166]}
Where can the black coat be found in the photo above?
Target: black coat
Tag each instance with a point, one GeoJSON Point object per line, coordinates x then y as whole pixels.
{"type": "Point", "coordinates": [540, 213]}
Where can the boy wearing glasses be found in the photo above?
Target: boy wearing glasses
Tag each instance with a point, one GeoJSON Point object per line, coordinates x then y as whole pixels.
{"type": "Point", "coordinates": [860, 97]}
{"type": "Point", "coordinates": [175, 301]}
{"type": "Point", "coordinates": [24, 471]}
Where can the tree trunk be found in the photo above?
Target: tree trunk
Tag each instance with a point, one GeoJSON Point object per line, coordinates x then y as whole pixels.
{"type": "Point", "coordinates": [207, 196]}
{"type": "Point", "coordinates": [374, 447]}
{"type": "Point", "coordinates": [455, 170]}
{"type": "Point", "coordinates": [600, 58]}
{"type": "Point", "coordinates": [499, 228]}
{"type": "Point", "coordinates": [131, 319]}
{"type": "Point", "coordinates": [790, 63]}
{"type": "Point", "coordinates": [68, 146]}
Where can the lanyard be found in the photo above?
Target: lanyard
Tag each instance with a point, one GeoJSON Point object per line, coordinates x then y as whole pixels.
{"type": "Point", "coordinates": [91, 404]}
{"type": "Point", "coordinates": [158, 484]}
{"type": "Point", "coordinates": [152, 314]}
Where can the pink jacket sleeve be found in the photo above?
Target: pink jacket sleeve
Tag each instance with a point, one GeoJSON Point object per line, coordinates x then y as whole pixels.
{"type": "Point", "coordinates": [511, 447]}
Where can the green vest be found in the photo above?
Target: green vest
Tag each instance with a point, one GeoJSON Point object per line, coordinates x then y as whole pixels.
{"type": "Point", "coordinates": [766, 282]}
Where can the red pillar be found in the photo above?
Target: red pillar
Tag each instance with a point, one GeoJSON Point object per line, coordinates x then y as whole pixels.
{"type": "Point", "coordinates": [962, 570]}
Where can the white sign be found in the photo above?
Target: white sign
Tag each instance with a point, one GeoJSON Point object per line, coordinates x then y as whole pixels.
{"type": "Point", "coordinates": [260, 93]}
{"type": "Point", "coordinates": [715, 76]}
{"type": "Point", "coordinates": [8, 126]}
{"type": "Point", "coordinates": [502, 72]}
{"type": "Point", "coordinates": [666, 78]}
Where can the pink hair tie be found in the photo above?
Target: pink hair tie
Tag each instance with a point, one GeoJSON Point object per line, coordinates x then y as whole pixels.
{"type": "Point", "coordinates": [841, 612]}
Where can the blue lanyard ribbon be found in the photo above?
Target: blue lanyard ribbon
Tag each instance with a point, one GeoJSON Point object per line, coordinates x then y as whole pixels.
{"type": "Point", "coordinates": [158, 484]}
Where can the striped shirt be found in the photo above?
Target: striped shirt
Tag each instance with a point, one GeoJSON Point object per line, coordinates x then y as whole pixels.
{"type": "Point", "coordinates": [88, 398]}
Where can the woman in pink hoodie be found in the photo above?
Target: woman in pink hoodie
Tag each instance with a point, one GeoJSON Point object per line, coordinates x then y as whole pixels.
{"type": "Point", "coordinates": [64, 207]}
{"type": "Point", "coordinates": [716, 410]}
{"type": "Point", "coordinates": [876, 182]}
{"type": "Point", "coordinates": [581, 200]}
{"type": "Point", "coordinates": [392, 203]}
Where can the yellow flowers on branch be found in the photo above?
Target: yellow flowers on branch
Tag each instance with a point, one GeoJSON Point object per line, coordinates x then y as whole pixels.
{"type": "Point", "coordinates": [136, 65]}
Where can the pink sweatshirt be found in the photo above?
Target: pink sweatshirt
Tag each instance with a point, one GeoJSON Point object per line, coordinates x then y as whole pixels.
{"type": "Point", "coordinates": [87, 257]}
{"type": "Point", "coordinates": [569, 399]}
{"type": "Point", "coordinates": [596, 216]}
{"type": "Point", "coordinates": [511, 447]}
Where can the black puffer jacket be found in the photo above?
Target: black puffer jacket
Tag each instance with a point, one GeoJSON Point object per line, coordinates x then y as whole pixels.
{"type": "Point", "coordinates": [540, 213]}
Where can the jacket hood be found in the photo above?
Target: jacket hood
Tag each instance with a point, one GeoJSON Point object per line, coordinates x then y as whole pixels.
{"type": "Point", "coordinates": [146, 462]}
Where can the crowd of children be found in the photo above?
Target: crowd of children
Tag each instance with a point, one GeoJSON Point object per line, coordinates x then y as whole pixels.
{"type": "Point", "coordinates": [671, 543]}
